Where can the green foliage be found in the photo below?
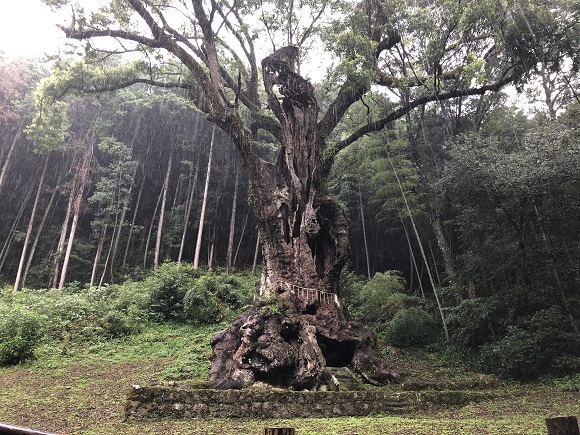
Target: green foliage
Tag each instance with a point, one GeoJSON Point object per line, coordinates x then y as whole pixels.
{"type": "Point", "coordinates": [567, 383]}
{"type": "Point", "coordinates": [354, 39]}
{"type": "Point", "coordinates": [535, 34]}
{"type": "Point", "coordinates": [201, 305]}
{"type": "Point", "coordinates": [49, 127]}
{"type": "Point", "coordinates": [180, 292]}
{"type": "Point", "coordinates": [113, 188]}
{"type": "Point", "coordinates": [357, 53]}
{"type": "Point", "coordinates": [412, 327]}
{"type": "Point", "coordinates": [536, 348]}
{"type": "Point", "coordinates": [167, 286]}
{"type": "Point", "coordinates": [215, 295]}
{"type": "Point", "coordinates": [516, 241]}
{"type": "Point", "coordinates": [351, 285]}
{"type": "Point", "coordinates": [20, 333]}
{"type": "Point", "coordinates": [77, 315]}
{"type": "Point", "coordinates": [82, 316]}
{"type": "Point", "coordinates": [380, 301]}
{"type": "Point", "coordinates": [469, 322]}
{"type": "Point", "coordinates": [382, 297]}
{"type": "Point", "coordinates": [387, 185]}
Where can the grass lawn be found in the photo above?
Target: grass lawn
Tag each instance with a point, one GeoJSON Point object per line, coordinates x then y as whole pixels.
{"type": "Point", "coordinates": [83, 391]}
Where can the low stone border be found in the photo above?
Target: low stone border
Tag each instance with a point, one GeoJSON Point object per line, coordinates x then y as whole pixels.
{"type": "Point", "coordinates": [165, 402]}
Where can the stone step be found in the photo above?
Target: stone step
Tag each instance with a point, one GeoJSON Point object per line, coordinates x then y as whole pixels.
{"type": "Point", "coordinates": [345, 379]}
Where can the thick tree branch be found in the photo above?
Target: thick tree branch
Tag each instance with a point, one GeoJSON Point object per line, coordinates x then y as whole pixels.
{"type": "Point", "coordinates": [139, 7]}
{"type": "Point", "coordinates": [208, 101]}
{"type": "Point", "coordinates": [209, 40]}
{"type": "Point", "coordinates": [243, 96]}
{"type": "Point", "coordinates": [128, 83]}
{"type": "Point", "coordinates": [177, 35]}
{"type": "Point", "coordinates": [388, 43]}
{"type": "Point", "coordinates": [380, 124]}
{"type": "Point", "coordinates": [269, 124]}
{"type": "Point", "coordinates": [225, 75]}
{"type": "Point", "coordinates": [349, 93]}
{"type": "Point", "coordinates": [211, 97]}
{"type": "Point", "coordinates": [253, 80]}
{"type": "Point", "coordinates": [122, 34]}
{"type": "Point", "coordinates": [249, 97]}
{"type": "Point", "coordinates": [390, 81]}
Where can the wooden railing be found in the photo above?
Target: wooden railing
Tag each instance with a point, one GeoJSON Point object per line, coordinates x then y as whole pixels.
{"type": "Point", "coordinates": [310, 295]}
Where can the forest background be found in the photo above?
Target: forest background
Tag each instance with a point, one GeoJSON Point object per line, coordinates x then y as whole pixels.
{"type": "Point", "coordinates": [472, 199]}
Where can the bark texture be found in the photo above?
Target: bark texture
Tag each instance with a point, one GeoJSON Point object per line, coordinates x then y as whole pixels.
{"type": "Point", "coordinates": [298, 325]}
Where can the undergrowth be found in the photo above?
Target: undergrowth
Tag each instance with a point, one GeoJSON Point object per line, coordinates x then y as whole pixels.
{"type": "Point", "coordinates": [97, 319]}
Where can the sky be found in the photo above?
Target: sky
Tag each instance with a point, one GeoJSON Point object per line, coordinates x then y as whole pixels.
{"type": "Point", "coordinates": [28, 29]}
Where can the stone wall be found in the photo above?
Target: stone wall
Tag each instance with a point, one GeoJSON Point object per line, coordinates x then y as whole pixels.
{"type": "Point", "coordinates": [162, 402]}
{"type": "Point", "coordinates": [146, 403]}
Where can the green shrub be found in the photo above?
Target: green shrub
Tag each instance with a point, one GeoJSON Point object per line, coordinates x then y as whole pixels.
{"type": "Point", "coordinates": [567, 383]}
{"type": "Point", "coordinates": [179, 292]}
{"type": "Point", "coordinates": [214, 295]}
{"type": "Point", "coordinates": [123, 309]}
{"type": "Point", "coordinates": [382, 297]}
{"type": "Point", "coordinates": [20, 333]}
{"type": "Point", "coordinates": [513, 356]}
{"type": "Point", "coordinates": [469, 322]}
{"type": "Point", "coordinates": [87, 315]}
{"type": "Point", "coordinates": [167, 287]}
{"type": "Point", "coordinates": [201, 306]}
{"type": "Point", "coordinates": [537, 347]}
{"type": "Point", "coordinates": [411, 327]}
{"type": "Point", "coordinates": [351, 285]}
{"type": "Point", "coordinates": [114, 324]}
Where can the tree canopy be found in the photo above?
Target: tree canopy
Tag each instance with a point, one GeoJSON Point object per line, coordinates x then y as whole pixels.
{"type": "Point", "coordinates": [414, 52]}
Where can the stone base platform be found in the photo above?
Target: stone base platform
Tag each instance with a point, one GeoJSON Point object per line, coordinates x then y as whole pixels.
{"type": "Point", "coordinates": [171, 402]}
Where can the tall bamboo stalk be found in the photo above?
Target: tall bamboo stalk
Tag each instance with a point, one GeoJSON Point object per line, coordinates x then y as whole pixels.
{"type": "Point", "coordinates": [132, 225]}
{"type": "Point", "coordinates": [188, 206]}
{"type": "Point", "coordinates": [232, 223]}
{"type": "Point", "coordinates": [413, 261]}
{"type": "Point", "coordinates": [420, 248]}
{"type": "Point", "coordinates": [84, 178]}
{"type": "Point", "coordinates": [256, 251]}
{"type": "Point", "coordinates": [38, 234]}
{"type": "Point", "coordinates": [204, 203]}
{"type": "Point", "coordinates": [6, 164]}
{"type": "Point", "coordinates": [162, 212]}
{"type": "Point", "coordinates": [30, 226]}
{"type": "Point", "coordinates": [362, 217]}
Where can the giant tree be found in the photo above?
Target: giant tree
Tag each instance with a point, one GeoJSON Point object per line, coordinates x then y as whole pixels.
{"type": "Point", "coordinates": [211, 50]}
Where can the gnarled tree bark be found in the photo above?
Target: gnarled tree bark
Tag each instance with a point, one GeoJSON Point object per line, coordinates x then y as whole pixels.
{"type": "Point", "coordinates": [298, 325]}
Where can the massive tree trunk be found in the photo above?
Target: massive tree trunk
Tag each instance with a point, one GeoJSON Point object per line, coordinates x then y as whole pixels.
{"type": "Point", "coordinates": [299, 324]}
{"type": "Point", "coordinates": [304, 237]}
